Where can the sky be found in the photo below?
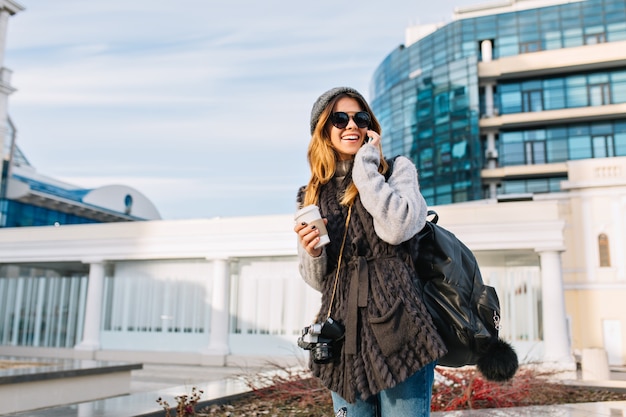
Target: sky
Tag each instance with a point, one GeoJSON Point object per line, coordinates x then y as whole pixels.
{"type": "Point", "coordinates": [201, 105]}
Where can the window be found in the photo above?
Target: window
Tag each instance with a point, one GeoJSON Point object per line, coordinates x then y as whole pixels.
{"type": "Point", "coordinates": [128, 203]}
{"type": "Point", "coordinates": [579, 147]}
{"type": "Point", "coordinates": [554, 93]}
{"type": "Point", "coordinates": [552, 40]}
{"type": "Point", "coordinates": [424, 108]}
{"type": "Point", "coordinates": [512, 154]}
{"type": "Point", "coordinates": [535, 152]}
{"type": "Point", "coordinates": [532, 46]}
{"type": "Point", "coordinates": [532, 101]}
{"type": "Point", "coordinates": [572, 37]}
{"type": "Point", "coordinates": [551, 93]}
{"type": "Point", "coordinates": [445, 157]}
{"type": "Point", "coordinates": [560, 143]}
{"type": "Point", "coordinates": [46, 312]}
{"type": "Point", "coordinates": [556, 150]}
{"type": "Point", "coordinates": [599, 94]}
{"type": "Point", "coordinates": [618, 85]}
{"type": "Point", "coordinates": [603, 250]}
{"type": "Point", "coordinates": [443, 194]}
{"type": "Point", "coordinates": [426, 161]}
{"type": "Point", "coordinates": [535, 185]}
{"type": "Point", "coordinates": [603, 146]}
{"type": "Point", "coordinates": [510, 98]}
{"type": "Point", "coordinates": [442, 107]}
{"type": "Point", "coordinates": [576, 91]}
{"type": "Point", "coordinates": [511, 150]}
{"type": "Point", "coordinates": [595, 38]}
{"type": "Point", "coordinates": [619, 136]}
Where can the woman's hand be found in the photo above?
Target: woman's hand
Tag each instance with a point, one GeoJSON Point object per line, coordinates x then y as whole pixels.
{"type": "Point", "coordinates": [309, 236]}
{"type": "Point", "coordinates": [374, 138]}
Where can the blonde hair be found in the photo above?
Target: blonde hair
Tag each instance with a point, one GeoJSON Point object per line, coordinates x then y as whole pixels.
{"type": "Point", "coordinates": [322, 156]}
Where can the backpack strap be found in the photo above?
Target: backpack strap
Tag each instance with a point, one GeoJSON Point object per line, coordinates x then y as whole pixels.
{"type": "Point", "coordinates": [435, 219]}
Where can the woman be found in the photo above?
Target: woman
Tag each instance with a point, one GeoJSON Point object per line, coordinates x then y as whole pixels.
{"type": "Point", "coordinates": [385, 363]}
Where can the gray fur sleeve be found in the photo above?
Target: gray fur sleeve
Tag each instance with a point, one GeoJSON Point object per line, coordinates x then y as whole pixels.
{"type": "Point", "coordinates": [397, 206]}
{"type": "Point", "coordinates": [312, 269]}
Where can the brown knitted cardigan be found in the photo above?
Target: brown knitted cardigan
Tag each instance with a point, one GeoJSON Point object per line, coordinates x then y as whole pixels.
{"type": "Point", "coordinates": [389, 333]}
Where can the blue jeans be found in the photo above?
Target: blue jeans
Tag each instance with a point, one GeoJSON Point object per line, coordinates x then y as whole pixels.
{"type": "Point", "coordinates": [410, 398]}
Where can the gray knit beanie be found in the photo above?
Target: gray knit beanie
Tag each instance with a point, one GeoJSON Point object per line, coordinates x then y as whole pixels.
{"type": "Point", "coordinates": [324, 99]}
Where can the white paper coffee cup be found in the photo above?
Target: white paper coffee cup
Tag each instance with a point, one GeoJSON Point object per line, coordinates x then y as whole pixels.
{"type": "Point", "coordinates": [311, 216]}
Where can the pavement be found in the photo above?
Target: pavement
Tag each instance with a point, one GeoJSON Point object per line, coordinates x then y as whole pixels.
{"type": "Point", "coordinates": [167, 381]}
{"type": "Point", "coordinates": [156, 377]}
{"type": "Point", "coordinates": [605, 409]}
{"type": "Point", "coordinates": [155, 381]}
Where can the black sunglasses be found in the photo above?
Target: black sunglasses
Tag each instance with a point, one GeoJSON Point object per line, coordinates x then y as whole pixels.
{"type": "Point", "coordinates": [341, 119]}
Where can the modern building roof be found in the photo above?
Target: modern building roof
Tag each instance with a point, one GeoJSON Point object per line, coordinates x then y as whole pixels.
{"type": "Point", "coordinates": [104, 204]}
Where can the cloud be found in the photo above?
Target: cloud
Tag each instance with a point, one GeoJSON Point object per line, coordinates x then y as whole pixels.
{"type": "Point", "coordinates": [201, 105]}
{"type": "Point", "coordinates": [179, 198]}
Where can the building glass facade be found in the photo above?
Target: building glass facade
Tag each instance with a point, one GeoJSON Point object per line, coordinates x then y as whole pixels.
{"type": "Point", "coordinates": [433, 100]}
{"type": "Point", "coordinates": [17, 214]}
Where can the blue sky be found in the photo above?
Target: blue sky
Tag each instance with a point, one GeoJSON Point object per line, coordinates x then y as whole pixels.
{"type": "Point", "coordinates": [201, 105]}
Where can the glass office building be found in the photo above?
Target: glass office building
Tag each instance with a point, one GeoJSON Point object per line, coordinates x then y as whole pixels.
{"type": "Point", "coordinates": [493, 104]}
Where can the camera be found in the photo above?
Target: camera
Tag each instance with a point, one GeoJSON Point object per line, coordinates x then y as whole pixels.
{"type": "Point", "coordinates": [319, 338]}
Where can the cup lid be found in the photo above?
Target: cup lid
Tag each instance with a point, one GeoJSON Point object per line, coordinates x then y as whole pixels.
{"type": "Point", "coordinates": [305, 210]}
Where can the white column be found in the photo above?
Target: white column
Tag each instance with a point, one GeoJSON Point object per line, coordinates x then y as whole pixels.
{"type": "Point", "coordinates": [218, 348]}
{"type": "Point", "coordinates": [4, 25]}
{"type": "Point", "coordinates": [555, 335]}
{"type": "Point", "coordinates": [489, 106]}
{"type": "Point", "coordinates": [93, 308]}
{"type": "Point", "coordinates": [491, 141]}
{"type": "Point", "coordinates": [5, 87]}
{"type": "Point", "coordinates": [491, 153]}
{"type": "Point", "coordinates": [486, 51]}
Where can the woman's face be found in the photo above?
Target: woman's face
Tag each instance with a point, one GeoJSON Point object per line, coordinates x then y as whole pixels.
{"type": "Point", "coordinates": [348, 140]}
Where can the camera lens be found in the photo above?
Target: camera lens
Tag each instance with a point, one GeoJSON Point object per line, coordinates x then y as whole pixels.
{"type": "Point", "coordinates": [316, 328]}
{"type": "Point", "coordinates": [322, 353]}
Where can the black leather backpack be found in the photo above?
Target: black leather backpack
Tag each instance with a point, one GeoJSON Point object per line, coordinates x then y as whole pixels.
{"type": "Point", "coordinates": [464, 309]}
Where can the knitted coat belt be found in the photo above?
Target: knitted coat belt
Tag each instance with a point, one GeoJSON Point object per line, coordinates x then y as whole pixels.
{"type": "Point", "coordinates": [357, 297]}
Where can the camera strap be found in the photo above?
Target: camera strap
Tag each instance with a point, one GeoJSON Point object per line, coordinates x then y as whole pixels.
{"type": "Point", "coordinates": [343, 243]}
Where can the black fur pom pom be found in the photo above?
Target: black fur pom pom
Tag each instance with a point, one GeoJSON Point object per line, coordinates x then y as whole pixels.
{"type": "Point", "coordinates": [499, 363]}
